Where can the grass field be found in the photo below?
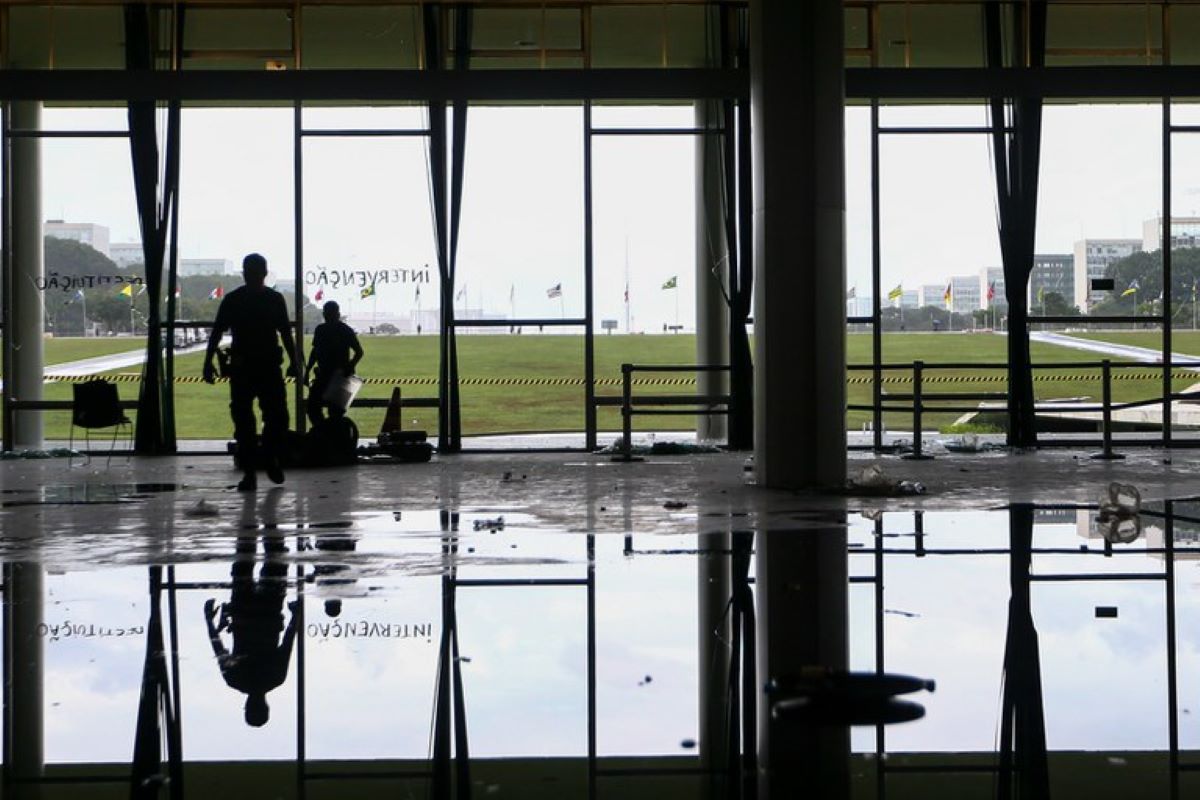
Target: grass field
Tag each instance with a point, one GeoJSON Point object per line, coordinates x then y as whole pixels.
{"type": "Point", "coordinates": [202, 411]}
{"type": "Point", "coordinates": [59, 351]}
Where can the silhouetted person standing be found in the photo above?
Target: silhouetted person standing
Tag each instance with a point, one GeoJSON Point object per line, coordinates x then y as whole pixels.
{"type": "Point", "coordinates": [335, 349]}
{"type": "Point", "coordinates": [257, 318]}
{"type": "Point", "coordinates": [258, 661]}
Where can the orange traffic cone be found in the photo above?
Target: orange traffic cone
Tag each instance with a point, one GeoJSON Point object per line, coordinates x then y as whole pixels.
{"type": "Point", "coordinates": [391, 420]}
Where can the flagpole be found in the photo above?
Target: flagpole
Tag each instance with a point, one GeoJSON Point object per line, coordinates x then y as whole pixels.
{"type": "Point", "coordinates": [677, 306]}
{"type": "Point", "coordinates": [627, 330]}
{"type": "Point", "coordinates": [83, 302]}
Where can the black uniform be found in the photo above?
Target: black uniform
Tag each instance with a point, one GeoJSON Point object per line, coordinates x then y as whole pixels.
{"type": "Point", "coordinates": [332, 345]}
{"type": "Point", "coordinates": [253, 315]}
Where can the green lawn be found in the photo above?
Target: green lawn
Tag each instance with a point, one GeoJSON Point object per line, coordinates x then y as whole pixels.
{"type": "Point", "coordinates": [74, 348]}
{"type": "Point", "coordinates": [202, 410]}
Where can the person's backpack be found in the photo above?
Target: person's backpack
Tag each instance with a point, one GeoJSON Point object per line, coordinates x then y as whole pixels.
{"type": "Point", "coordinates": [333, 441]}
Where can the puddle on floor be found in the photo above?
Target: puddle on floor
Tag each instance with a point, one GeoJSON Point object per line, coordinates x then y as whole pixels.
{"type": "Point", "coordinates": [369, 643]}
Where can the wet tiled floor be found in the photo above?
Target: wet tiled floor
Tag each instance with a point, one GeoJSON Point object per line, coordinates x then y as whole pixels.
{"type": "Point", "coordinates": [567, 626]}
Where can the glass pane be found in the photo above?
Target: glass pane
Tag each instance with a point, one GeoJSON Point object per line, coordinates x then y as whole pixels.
{"type": "Point", "coordinates": [369, 246]}
{"type": "Point", "coordinates": [236, 197]}
{"type": "Point", "coordinates": [520, 254]}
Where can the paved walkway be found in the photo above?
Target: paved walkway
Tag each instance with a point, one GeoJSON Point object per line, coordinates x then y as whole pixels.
{"type": "Point", "coordinates": [98, 364]}
{"type": "Point", "coordinates": [1132, 352]}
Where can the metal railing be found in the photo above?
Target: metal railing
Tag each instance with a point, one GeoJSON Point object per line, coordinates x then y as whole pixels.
{"type": "Point", "coordinates": [920, 401]}
{"type": "Point", "coordinates": [661, 404]}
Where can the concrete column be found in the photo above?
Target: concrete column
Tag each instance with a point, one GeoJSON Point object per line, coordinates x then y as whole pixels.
{"type": "Point", "coordinates": [802, 614]}
{"type": "Point", "coordinates": [26, 327]}
{"type": "Point", "coordinates": [712, 272]}
{"type": "Point", "coordinates": [24, 596]}
{"type": "Point", "coordinates": [796, 96]}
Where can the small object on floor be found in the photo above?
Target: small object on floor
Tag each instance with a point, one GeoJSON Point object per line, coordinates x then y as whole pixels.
{"type": "Point", "coordinates": [202, 509]}
{"type": "Point", "coordinates": [674, 505]}
{"type": "Point", "coordinates": [496, 524]}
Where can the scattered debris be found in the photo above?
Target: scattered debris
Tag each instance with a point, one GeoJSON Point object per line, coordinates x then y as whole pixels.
{"type": "Point", "coordinates": [659, 448]}
{"type": "Point", "coordinates": [496, 524]}
{"type": "Point", "coordinates": [899, 613]}
{"type": "Point", "coordinates": [872, 481]}
{"type": "Point", "coordinates": [688, 744]}
{"type": "Point", "coordinates": [674, 505]}
{"type": "Point", "coordinates": [203, 508]}
{"type": "Point", "coordinates": [56, 452]}
{"type": "Point", "coordinates": [1118, 521]}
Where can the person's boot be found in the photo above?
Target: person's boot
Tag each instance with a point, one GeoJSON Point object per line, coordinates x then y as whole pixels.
{"type": "Point", "coordinates": [248, 483]}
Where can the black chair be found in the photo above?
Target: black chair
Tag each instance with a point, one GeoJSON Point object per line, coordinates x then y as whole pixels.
{"type": "Point", "coordinates": [96, 405]}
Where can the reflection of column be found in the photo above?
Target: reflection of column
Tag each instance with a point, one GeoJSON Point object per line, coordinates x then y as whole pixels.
{"type": "Point", "coordinates": [712, 611]}
{"type": "Point", "coordinates": [801, 600]}
{"type": "Point", "coordinates": [799, 227]}
{"type": "Point", "coordinates": [712, 266]}
{"type": "Point", "coordinates": [24, 603]}
{"type": "Point", "coordinates": [27, 306]}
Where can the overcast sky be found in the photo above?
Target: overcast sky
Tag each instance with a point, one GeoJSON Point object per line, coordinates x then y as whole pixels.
{"type": "Point", "coordinates": [366, 201]}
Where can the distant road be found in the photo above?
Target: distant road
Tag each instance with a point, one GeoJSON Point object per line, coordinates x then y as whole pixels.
{"type": "Point", "coordinates": [98, 364]}
{"type": "Point", "coordinates": [1144, 354]}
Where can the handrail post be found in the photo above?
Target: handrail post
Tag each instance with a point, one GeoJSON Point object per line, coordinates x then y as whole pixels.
{"type": "Point", "coordinates": [918, 412]}
{"type": "Point", "coordinates": [1107, 453]}
{"type": "Point", "coordinates": [626, 453]}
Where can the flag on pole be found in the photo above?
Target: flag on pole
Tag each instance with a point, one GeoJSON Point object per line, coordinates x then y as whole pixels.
{"type": "Point", "coordinates": [853, 293]}
{"type": "Point", "coordinates": [178, 291]}
{"type": "Point", "coordinates": [948, 295]}
{"type": "Point", "coordinates": [991, 294]}
{"type": "Point", "coordinates": [141, 290]}
{"type": "Point", "coordinates": [1133, 287]}
{"type": "Point", "coordinates": [217, 293]}
{"type": "Point", "coordinates": [897, 293]}
{"type": "Point", "coordinates": [319, 296]}
{"type": "Point", "coordinates": [554, 291]}
{"type": "Point", "coordinates": [461, 293]}
{"type": "Point", "coordinates": [127, 290]}
{"type": "Point", "coordinates": [672, 283]}
{"type": "Point", "coordinates": [417, 295]}
{"type": "Point", "coordinates": [367, 291]}
{"type": "Point", "coordinates": [627, 293]}
{"type": "Point", "coordinates": [77, 296]}
{"type": "Point", "coordinates": [512, 292]}
{"type": "Point", "coordinates": [1042, 295]}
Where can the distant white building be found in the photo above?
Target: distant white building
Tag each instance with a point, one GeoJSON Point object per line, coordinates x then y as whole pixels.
{"type": "Point", "coordinates": [205, 266]}
{"type": "Point", "coordinates": [933, 294]}
{"type": "Point", "coordinates": [911, 298]}
{"type": "Point", "coordinates": [1052, 273]}
{"type": "Point", "coordinates": [94, 236]}
{"type": "Point", "coordinates": [126, 254]}
{"type": "Point", "coordinates": [992, 277]}
{"type": "Point", "coordinates": [1092, 258]}
{"type": "Point", "coordinates": [965, 295]}
{"type": "Point", "coordinates": [1185, 232]}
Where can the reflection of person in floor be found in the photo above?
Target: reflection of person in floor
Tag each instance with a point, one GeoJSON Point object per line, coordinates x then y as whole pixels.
{"type": "Point", "coordinates": [253, 616]}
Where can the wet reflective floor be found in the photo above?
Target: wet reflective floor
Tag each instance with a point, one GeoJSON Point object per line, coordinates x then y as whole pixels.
{"type": "Point", "coordinates": [568, 629]}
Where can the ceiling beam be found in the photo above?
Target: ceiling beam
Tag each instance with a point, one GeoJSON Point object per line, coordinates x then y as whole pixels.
{"type": "Point", "coordinates": [374, 85]}
{"type": "Point", "coordinates": [932, 83]}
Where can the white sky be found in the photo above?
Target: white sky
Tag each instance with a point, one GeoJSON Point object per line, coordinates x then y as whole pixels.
{"type": "Point", "coordinates": [366, 200]}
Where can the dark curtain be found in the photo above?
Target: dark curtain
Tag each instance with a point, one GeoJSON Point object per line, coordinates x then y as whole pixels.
{"type": "Point", "coordinates": [451, 769]}
{"type": "Point", "coordinates": [1024, 770]}
{"type": "Point", "coordinates": [155, 179]}
{"type": "Point", "coordinates": [1016, 150]}
{"type": "Point", "coordinates": [156, 714]}
{"type": "Point", "coordinates": [446, 149]}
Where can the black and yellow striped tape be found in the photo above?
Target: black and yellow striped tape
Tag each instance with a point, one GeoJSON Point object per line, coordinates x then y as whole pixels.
{"type": "Point", "coordinates": [854, 379]}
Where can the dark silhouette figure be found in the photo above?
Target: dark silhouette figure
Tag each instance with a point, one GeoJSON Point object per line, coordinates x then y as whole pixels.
{"type": "Point", "coordinates": [335, 349]}
{"type": "Point", "coordinates": [258, 661]}
{"type": "Point", "coordinates": [257, 317]}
